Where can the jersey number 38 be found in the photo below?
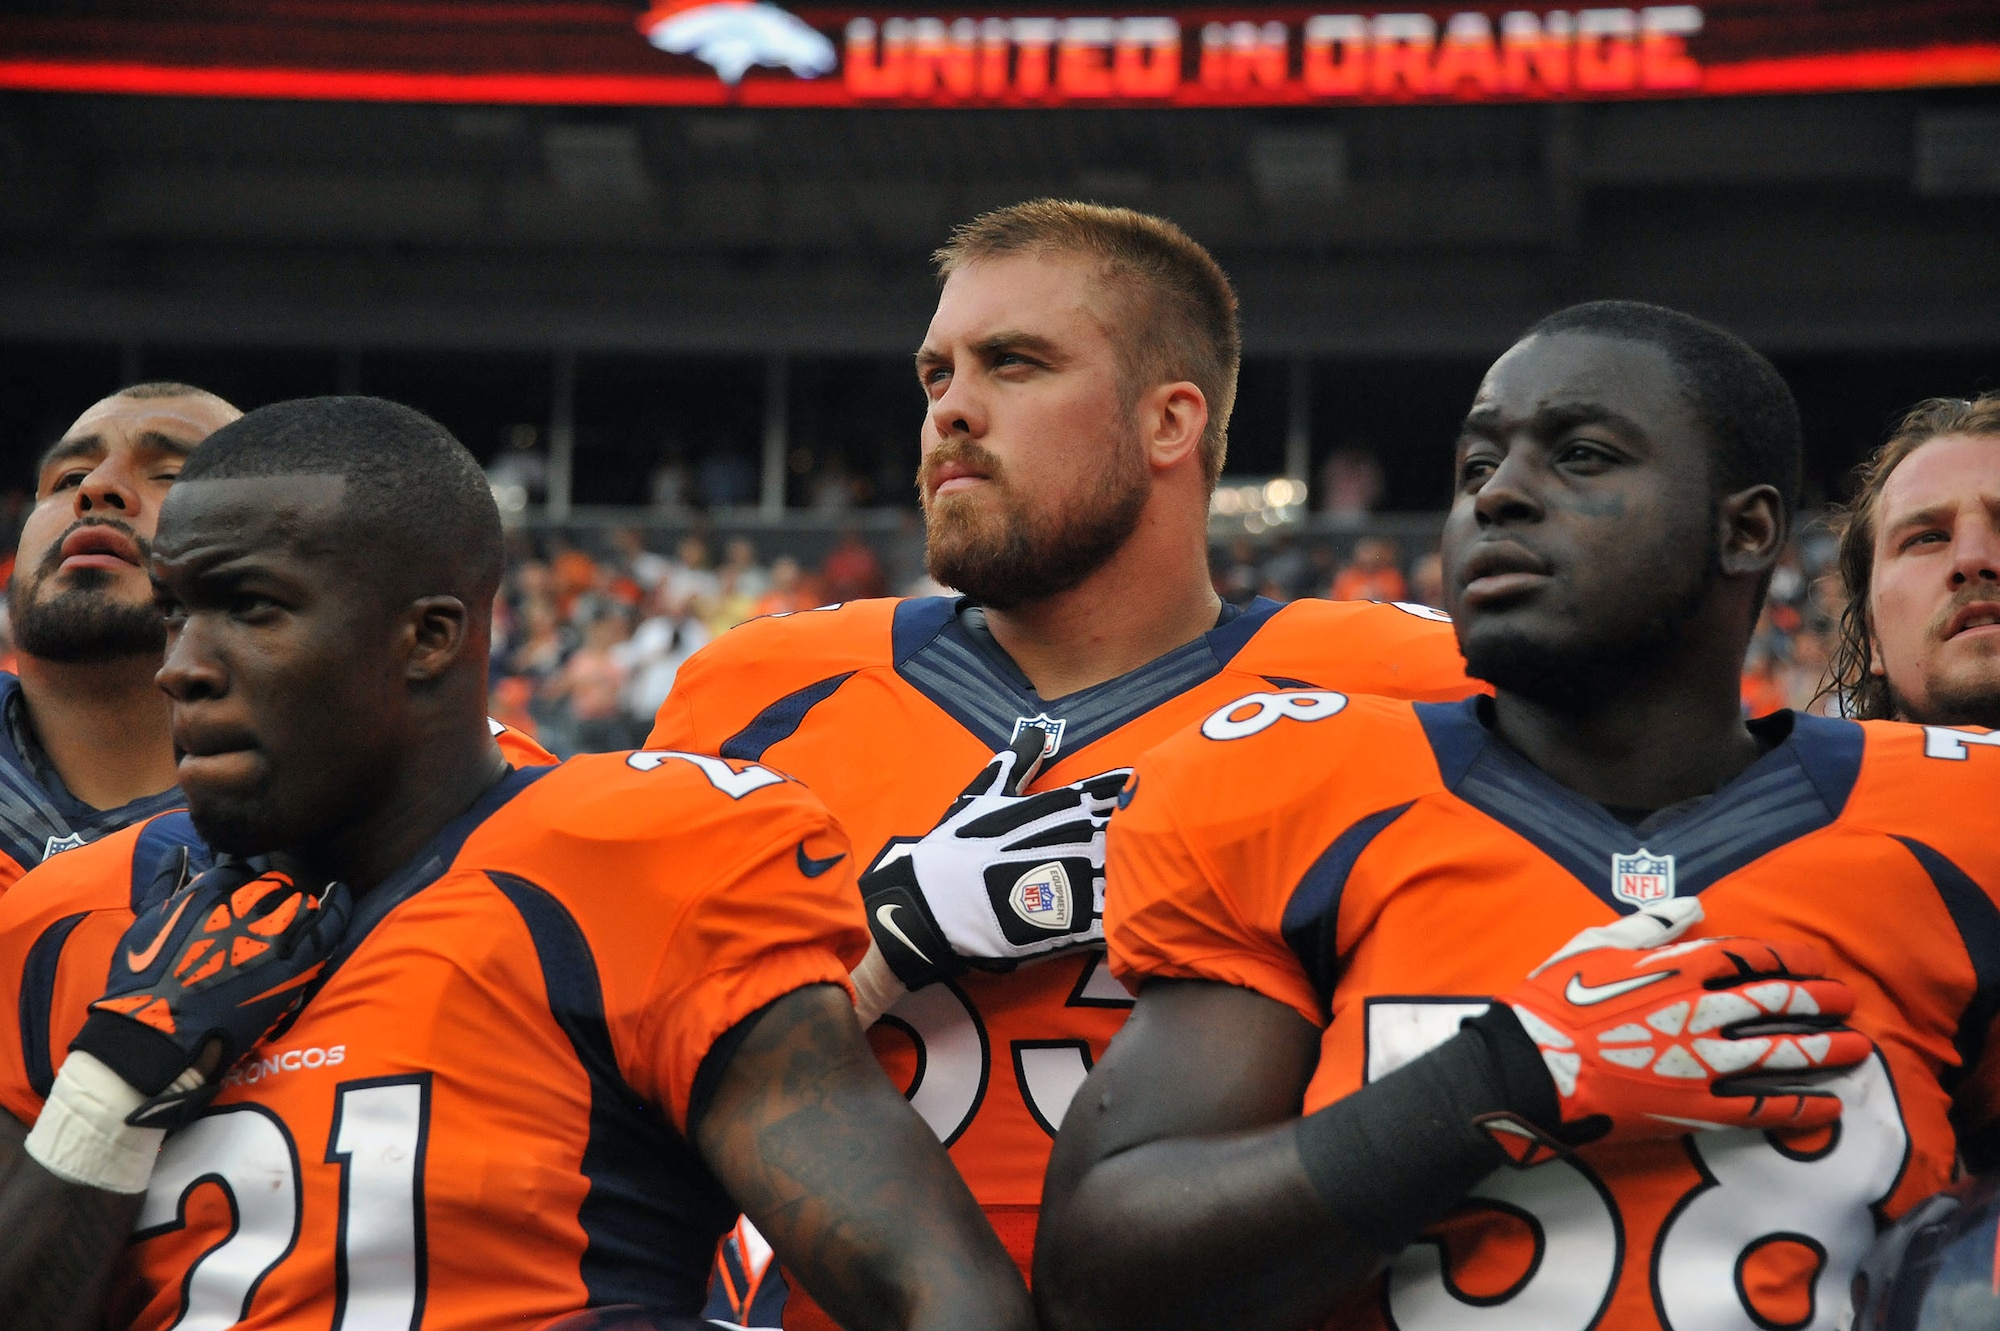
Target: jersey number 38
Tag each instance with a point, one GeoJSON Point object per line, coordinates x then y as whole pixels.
{"type": "Point", "coordinates": [1806, 1211]}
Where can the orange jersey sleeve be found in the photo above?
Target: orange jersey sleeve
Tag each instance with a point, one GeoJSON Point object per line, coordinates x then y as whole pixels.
{"type": "Point", "coordinates": [771, 670]}
{"type": "Point", "coordinates": [1390, 648]}
{"type": "Point", "coordinates": [520, 749]}
{"type": "Point", "coordinates": [58, 928]}
{"type": "Point", "coordinates": [1204, 860]}
{"type": "Point", "coordinates": [744, 881]}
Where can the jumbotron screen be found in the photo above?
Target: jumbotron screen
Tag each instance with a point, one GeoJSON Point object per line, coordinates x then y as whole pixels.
{"type": "Point", "coordinates": [750, 53]}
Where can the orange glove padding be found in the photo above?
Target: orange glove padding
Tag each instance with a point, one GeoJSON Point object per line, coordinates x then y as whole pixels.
{"type": "Point", "coordinates": [1708, 1033]}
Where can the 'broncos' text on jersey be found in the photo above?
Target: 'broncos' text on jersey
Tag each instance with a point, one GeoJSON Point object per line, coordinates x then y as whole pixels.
{"type": "Point", "coordinates": [497, 1063]}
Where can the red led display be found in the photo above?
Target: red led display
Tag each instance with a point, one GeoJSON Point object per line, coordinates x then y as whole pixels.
{"type": "Point", "coordinates": [751, 53]}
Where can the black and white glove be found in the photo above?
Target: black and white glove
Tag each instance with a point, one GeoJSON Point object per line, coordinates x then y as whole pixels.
{"type": "Point", "coordinates": [1002, 878]}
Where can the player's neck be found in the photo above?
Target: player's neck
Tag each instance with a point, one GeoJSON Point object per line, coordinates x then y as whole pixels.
{"type": "Point", "coordinates": [102, 725]}
{"type": "Point", "coordinates": [1152, 596]}
{"type": "Point", "coordinates": [1671, 737]}
{"type": "Point", "coordinates": [442, 774]}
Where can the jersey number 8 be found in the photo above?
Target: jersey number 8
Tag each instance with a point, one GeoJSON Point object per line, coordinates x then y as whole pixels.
{"type": "Point", "coordinates": [1255, 713]}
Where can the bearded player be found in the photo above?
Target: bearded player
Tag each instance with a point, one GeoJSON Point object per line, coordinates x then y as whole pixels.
{"type": "Point", "coordinates": [1080, 371]}
{"type": "Point", "coordinates": [87, 715]}
{"type": "Point", "coordinates": [475, 1046]}
{"type": "Point", "coordinates": [1920, 560]}
{"type": "Point", "coordinates": [1506, 952]}
{"type": "Point", "coordinates": [84, 748]}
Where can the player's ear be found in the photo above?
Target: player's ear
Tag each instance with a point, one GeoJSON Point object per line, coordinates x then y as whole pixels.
{"type": "Point", "coordinates": [434, 634]}
{"type": "Point", "coordinates": [1172, 418]}
{"type": "Point", "coordinates": [1754, 528]}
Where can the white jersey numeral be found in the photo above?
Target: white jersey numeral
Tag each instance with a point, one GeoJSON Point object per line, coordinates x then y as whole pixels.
{"type": "Point", "coordinates": [955, 1059]}
{"type": "Point", "coordinates": [245, 1151]}
{"type": "Point", "coordinates": [1949, 743]}
{"type": "Point", "coordinates": [378, 1142]}
{"type": "Point", "coordinates": [1757, 1193]}
{"type": "Point", "coordinates": [379, 1132]}
{"type": "Point", "coordinates": [720, 774]}
{"type": "Point", "coordinates": [1254, 713]}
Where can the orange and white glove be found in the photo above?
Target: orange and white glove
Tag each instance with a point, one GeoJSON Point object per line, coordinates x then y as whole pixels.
{"type": "Point", "coordinates": [1643, 1036]}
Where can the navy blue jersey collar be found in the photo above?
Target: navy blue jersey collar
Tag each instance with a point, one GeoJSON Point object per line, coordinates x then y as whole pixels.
{"type": "Point", "coordinates": [38, 814]}
{"type": "Point", "coordinates": [959, 666]}
{"type": "Point", "coordinates": [1799, 785]}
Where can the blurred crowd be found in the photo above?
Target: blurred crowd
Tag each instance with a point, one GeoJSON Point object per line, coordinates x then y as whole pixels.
{"type": "Point", "coordinates": [589, 633]}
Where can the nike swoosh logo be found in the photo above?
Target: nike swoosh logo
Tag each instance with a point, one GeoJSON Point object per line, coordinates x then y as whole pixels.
{"type": "Point", "coordinates": [138, 961]}
{"type": "Point", "coordinates": [813, 868]}
{"type": "Point", "coordinates": [1127, 791]}
{"type": "Point", "coordinates": [887, 916]}
{"type": "Point", "coordinates": [1585, 995]}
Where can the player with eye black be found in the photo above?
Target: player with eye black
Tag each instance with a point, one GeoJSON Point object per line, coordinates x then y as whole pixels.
{"type": "Point", "coordinates": [1078, 375]}
{"type": "Point", "coordinates": [437, 1040]}
{"type": "Point", "coordinates": [1589, 1004]}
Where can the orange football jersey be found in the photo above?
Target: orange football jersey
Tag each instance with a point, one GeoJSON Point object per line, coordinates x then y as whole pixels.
{"type": "Point", "coordinates": [479, 1118]}
{"type": "Point", "coordinates": [888, 708]}
{"type": "Point", "coordinates": [57, 933]}
{"type": "Point", "coordinates": [1384, 868]}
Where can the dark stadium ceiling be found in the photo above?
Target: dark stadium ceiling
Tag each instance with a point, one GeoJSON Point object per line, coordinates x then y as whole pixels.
{"type": "Point", "coordinates": [1810, 222]}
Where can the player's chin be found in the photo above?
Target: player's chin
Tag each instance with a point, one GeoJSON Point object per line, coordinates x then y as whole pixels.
{"type": "Point", "coordinates": [1964, 692]}
{"type": "Point", "coordinates": [229, 798]}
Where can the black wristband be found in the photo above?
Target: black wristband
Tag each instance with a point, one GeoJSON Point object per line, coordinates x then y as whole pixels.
{"type": "Point", "coordinates": [1524, 1078]}
{"type": "Point", "coordinates": [145, 1059]}
{"type": "Point", "coordinates": [1393, 1157]}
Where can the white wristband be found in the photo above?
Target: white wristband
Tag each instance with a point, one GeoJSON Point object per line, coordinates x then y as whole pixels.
{"type": "Point", "coordinates": [876, 988]}
{"type": "Point", "coordinates": [82, 1136]}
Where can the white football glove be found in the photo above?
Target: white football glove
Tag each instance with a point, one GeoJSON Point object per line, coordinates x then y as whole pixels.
{"type": "Point", "coordinates": [1002, 878]}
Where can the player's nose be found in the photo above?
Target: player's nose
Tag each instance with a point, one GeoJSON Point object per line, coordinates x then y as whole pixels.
{"type": "Point", "coordinates": [191, 671]}
{"type": "Point", "coordinates": [107, 491]}
{"type": "Point", "coordinates": [1509, 494]}
{"type": "Point", "coordinates": [957, 412]}
{"type": "Point", "coordinates": [1975, 551]}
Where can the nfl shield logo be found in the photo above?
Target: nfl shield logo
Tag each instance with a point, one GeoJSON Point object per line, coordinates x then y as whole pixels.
{"type": "Point", "coordinates": [1041, 896]}
{"type": "Point", "coordinates": [56, 845]}
{"type": "Point", "coordinates": [1048, 725]}
{"type": "Point", "coordinates": [1642, 877]}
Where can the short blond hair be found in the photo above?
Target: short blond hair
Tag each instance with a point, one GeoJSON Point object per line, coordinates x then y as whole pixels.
{"type": "Point", "coordinates": [1182, 321]}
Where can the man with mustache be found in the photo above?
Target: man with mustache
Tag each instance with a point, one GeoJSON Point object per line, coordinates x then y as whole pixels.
{"type": "Point", "coordinates": [465, 1044]}
{"type": "Point", "coordinates": [1079, 373]}
{"type": "Point", "coordinates": [1920, 560]}
{"type": "Point", "coordinates": [87, 765]}
{"type": "Point", "coordinates": [1505, 954]}
{"type": "Point", "coordinates": [84, 748]}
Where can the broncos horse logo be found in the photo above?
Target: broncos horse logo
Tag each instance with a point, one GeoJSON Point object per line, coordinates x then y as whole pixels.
{"type": "Point", "coordinates": [732, 35]}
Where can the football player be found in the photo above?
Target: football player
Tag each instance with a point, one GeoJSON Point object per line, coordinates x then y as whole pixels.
{"type": "Point", "coordinates": [1570, 981]}
{"type": "Point", "coordinates": [84, 748]}
{"type": "Point", "coordinates": [1920, 560]}
{"type": "Point", "coordinates": [1080, 370]}
{"type": "Point", "coordinates": [473, 1045]}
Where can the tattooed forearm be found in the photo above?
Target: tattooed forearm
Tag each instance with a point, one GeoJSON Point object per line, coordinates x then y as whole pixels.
{"type": "Point", "coordinates": [853, 1190]}
{"type": "Point", "coordinates": [57, 1242]}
